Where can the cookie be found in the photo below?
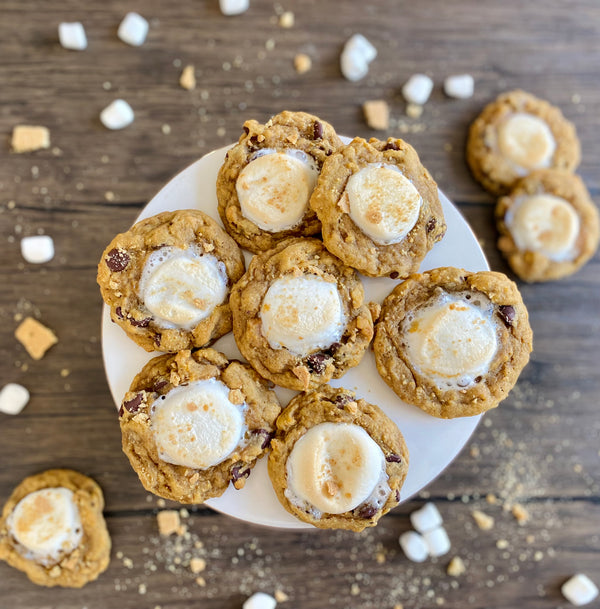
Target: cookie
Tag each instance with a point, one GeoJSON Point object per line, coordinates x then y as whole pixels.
{"type": "Point", "coordinates": [193, 423]}
{"type": "Point", "coordinates": [548, 225]}
{"type": "Point", "coordinates": [453, 342]}
{"type": "Point", "coordinates": [299, 315]}
{"type": "Point", "coordinates": [516, 134]}
{"type": "Point", "coordinates": [379, 207]}
{"type": "Point", "coordinates": [53, 530]}
{"type": "Point", "coordinates": [266, 180]}
{"type": "Point", "coordinates": [167, 280]}
{"type": "Point", "coordinates": [337, 462]}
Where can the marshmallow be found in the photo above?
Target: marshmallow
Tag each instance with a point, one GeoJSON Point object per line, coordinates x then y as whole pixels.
{"type": "Point", "coordinates": [197, 425]}
{"type": "Point", "coordinates": [13, 398]}
{"type": "Point", "coordinates": [302, 314]}
{"type": "Point", "coordinates": [579, 590]}
{"type": "Point", "coordinates": [460, 86]}
{"type": "Point", "coordinates": [133, 29]}
{"type": "Point", "coordinates": [233, 7]}
{"type": "Point", "coordinates": [46, 524]}
{"type": "Point", "coordinates": [117, 115]}
{"type": "Point", "coordinates": [182, 287]}
{"type": "Point", "coordinates": [414, 546]}
{"type": "Point", "coordinates": [437, 540]}
{"type": "Point", "coordinates": [335, 467]}
{"type": "Point", "coordinates": [417, 89]}
{"type": "Point", "coordinates": [356, 56]}
{"type": "Point", "coordinates": [260, 600]}
{"type": "Point", "coordinates": [546, 224]}
{"type": "Point", "coordinates": [37, 249]}
{"type": "Point", "coordinates": [72, 36]}
{"type": "Point", "coordinates": [274, 188]}
{"type": "Point", "coordinates": [426, 519]}
{"type": "Point", "coordinates": [527, 141]}
{"type": "Point", "coordinates": [383, 202]}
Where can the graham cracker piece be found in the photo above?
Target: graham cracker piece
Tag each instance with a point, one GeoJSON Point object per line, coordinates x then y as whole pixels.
{"type": "Point", "coordinates": [35, 337]}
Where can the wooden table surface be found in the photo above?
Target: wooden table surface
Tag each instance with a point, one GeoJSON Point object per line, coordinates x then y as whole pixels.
{"type": "Point", "coordinates": [540, 448]}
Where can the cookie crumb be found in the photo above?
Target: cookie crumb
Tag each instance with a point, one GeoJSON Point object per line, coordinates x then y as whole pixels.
{"type": "Point", "coordinates": [197, 565]}
{"type": "Point", "coordinates": [35, 337]}
{"type": "Point", "coordinates": [377, 114]}
{"type": "Point", "coordinates": [187, 80]}
{"type": "Point", "coordinates": [520, 513]}
{"type": "Point", "coordinates": [302, 63]}
{"type": "Point", "coordinates": [456, 567]}
{"type": "Point", "coordinates": [483, 521]}
{"type": "Point", "coordinates": [286, 20]}
{"type": "Point", "coordinates": [281, 596]}
{"type": "Point", "coordinates": [168, 522]}
{"type": "Point", "coordinates": [29, 138]}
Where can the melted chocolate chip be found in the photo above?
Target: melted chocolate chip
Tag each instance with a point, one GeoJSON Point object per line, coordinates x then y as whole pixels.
{"type": "Point", "coordinates": [342, 399]}
{"type": "Point", "coordinates": [121, 410]}
{"type": "Point", "coordinates": [478, 379]}
{"type": "Point", "coordinates": [157, 338]}
{"type": "Point", "coordinates": [333, 349]}
{"type": "Point", "coordinates": [366, 511]}
{"type": "Point", "coordinates": [391, 146]}
{"type": "Point", "coordinates": [394, 275]}
{"type": "Point", "coordinates": [430, 225]}
{"type": "Point", "coordinates": [159, 385]}
{"type": "Point", "coordinates": [268, 436]}
{"type": "Point", "coordinates": [317, 362]}
{"type": "Point", "coordinates": [246, 130]}
{"type": "Point", "coordinates": [117, 260]}
{"type": "Point", "coordinates": [119, 313]}
{"type": "Point", "coordinates": [133, 405]}
{"type": "Point", "coordinates": [397, 496]}
{"type": "Point", "coordinates": [393, 458]}
{"type": "Point", "coordinates": [318, 131]}
{"type": "Point", "coordinates": [238, 471]}
{"type": "Point", "coordinates": [142, 323]}
{"type": "Point", "coordinates": [507, 314]}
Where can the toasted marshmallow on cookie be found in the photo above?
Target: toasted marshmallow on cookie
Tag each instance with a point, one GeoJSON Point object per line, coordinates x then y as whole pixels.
{"type": "Point", "coordinates": [275, 186]}
{"type": "Point", "coordinates": [383, 202]}
{"type": "Point", "coordinates": [197, 425]}
{"type": "Point", "coordinates": [302, 314]}
{"type": "Point", "coordinates": [46, 525]}
{"type": "Point", "coordinates": [336, 467]}
{"type": "Point", "coordinates": [181, 287]}
{"type": "Point", "coordinates": [452, 340]}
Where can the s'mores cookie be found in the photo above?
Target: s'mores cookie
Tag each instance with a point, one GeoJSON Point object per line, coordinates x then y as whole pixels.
{"type": "Point", "coordinates": [53, 530]}
{"type": "Point", "coordinates": [337, 462]}
{"type": "Point", "coordinates": [548, 225]}
{"type": "Point", "coordinates": [453, 342]}
{"type": "Point", "coordinates": [379, 207]}
{"type": "Point", "coordinates": [516, 134]}
{"type": "Point", "coordinates": [267, 178]}
{"type": "Point", "coordinates": [167, 280]}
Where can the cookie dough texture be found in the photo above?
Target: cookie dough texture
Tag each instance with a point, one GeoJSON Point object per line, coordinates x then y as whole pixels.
{"type": "Point", "coordinates": [287, 130]}
{"type": "Point", "coordinates": [157, 378]}
{"type": "Point", "coordinates": [535, 266]}
{"type": "Point", "coordinates": [296, 257]}
{"type": "Point", "coordinates": [346, 240]}
{"type": "Point", "coordinates": [514, 340]}
{"type": "Point", "coordinates": [489, 167]}
{"type": "Point", "coordinates": [330, 405]}
{"type": "Point", "coordinates": [89, 559]}
{"type": "Point", "coordinates": [122, 263]}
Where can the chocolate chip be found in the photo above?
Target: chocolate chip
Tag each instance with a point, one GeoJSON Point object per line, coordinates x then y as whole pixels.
{"type": "Point", "coordinates": [119, 313]}
{"type": "Point", "coordinates": [342, 399]}
{"type": "Point", "coordinates": [238, 471]}
{"type": "Point", "coordinates": [393, 458]}
{"type": "Point", "coordinates": [141, 323]}
{"type": "Point", "coordinates": [507, 313]}
{"type": "Point", "coordinates": [159, 385]}
{"type": "Point", "coordinates": [430, 225]}
{"type": "Point", "coordinates": [397, 496]}
{"type": "Point", "coordinates": [394, 275]}
{"type": "Point", "coordinates": [478, 379]}
{"type": "Point", "coordinates": [246, 130]}
{"type": "Point", "coordinates": [329, 153]}
{"type": "Point", "coordinates": [268, 436]}
{"type": "Point", "coordinates": [332, 349]}
{"type": "Point", "coordinates": [391, 146]}
{"type": "Point", "coordinates": [117, 260]}
{"type": "Point", "coordinates": [121, 410]}
{"type": "Point", "coordinates": [318, 131]}
{"type": "Point", "coordinates": [157, 338]}
{"type": "Point", "coordinates": [367, 511]}
{"type": "Point", "coordinates": [133, 405]}
{"type": "Point", "coordinates": [317, 362]}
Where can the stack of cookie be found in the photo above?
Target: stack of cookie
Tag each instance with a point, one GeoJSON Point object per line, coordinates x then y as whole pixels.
{"type": "Point", "coordinates": [449, 341]}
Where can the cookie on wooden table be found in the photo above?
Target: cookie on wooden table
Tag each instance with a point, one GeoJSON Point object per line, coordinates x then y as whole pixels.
{"type": "Point", "coordinates": [453, 342]}
{"type": "Point", "coordinates": [194, 423]}
{"type": "Point", "coordinates": [379, 207]}
{"type": "Point", "coordinates": [167, 280]}
{"type": "Point", "coordinates": [337, 462]}
{"type": "Point", "coordinates": [299, 315]}
{"type": "Point", "coordinates": [516, 134]}
{"type": "Point", "coordinates": [548, 225]}
{"type": "Point", "coordinates": [52, 529]}
{"type": "Point", "coordinates": [267, 178]}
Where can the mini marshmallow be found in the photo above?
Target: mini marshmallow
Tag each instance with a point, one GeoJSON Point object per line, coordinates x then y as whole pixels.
{"type": "Point", "coordinates": [414, 546]}
{"type": "Point", "coordinates": [579, 590]}
{"type": "Point", "coordinates": [417, 89]}
{"type": "Point", "coordinates": [72, 36]}
{"type": "Point", "coordinates": [37, 249]}
{"type": "Point", "coordinates": [460, 86]}
{"type": "Point", "coordinates": [260, 600]}
{"type": "Point", "coordinates": [117, 115]}
{"type": "Point", "coordinates": [362, 46]}
{"type": "Point", "coordinates": [233, 7]}
{"type": "Point", "coordinates": [358, 53]}
{"type": "Point", "coordinates": [426, 519]}
{"type": "Point", "coordinates": [13, 398]}
{"type": "Point", "coordinates": [438, 542]}
{"type": "Point", "coordinates": [133, 29]}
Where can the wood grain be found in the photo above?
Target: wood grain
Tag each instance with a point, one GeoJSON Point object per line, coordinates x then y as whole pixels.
{"type": "Point", "coordinates": [540, 448]}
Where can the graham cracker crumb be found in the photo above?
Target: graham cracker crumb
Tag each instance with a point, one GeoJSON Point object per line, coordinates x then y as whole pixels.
{"type": "Point", "coordinates": [280, 596]}
{"type": "Point", "coordinates": [483, 521]}
{"type": "Point", "coordinates": [187, 80]}
{"type": "Point", "coordinates": [355, 589]}
{"type": "Point", "coordinates": [302, 63]}
{"type": "Point", "coordinates": [197, 565]}
{"type": "Point", "coordinates": [35, 337]}
{"type": "Point", "coordinates": [414, 111]}
{"type": "Point", "coordinates": [201, 581]}
{"type": "Point", "coordinates": [491, 498]}
{"type": "Point", "coordinates": [286, 20]}
{"type": "Point", "coordinates": [456, 567]}
{"type": "Point", "coordinates": [28, 138]}
{"type": "Point", "coordinates": [520, 513]}
{"type": "Point", "coordinates": [502, 544]}
{"type": "Point", "coordinates": [65, 372]}
{"type": "Point", "coordinates": [168, 522]}
{"type": "Point", "coordinates": [236, 397]}
{"type": "Point", "coordinates": [303, 374]}
{"type": "Point", "coordinates": [55, 571]}
{"type": "Point", "coordinates": [377, 114]}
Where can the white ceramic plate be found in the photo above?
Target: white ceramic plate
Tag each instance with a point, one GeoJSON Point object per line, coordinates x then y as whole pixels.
{"type": "Point", "coordinates": [432, 443]}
